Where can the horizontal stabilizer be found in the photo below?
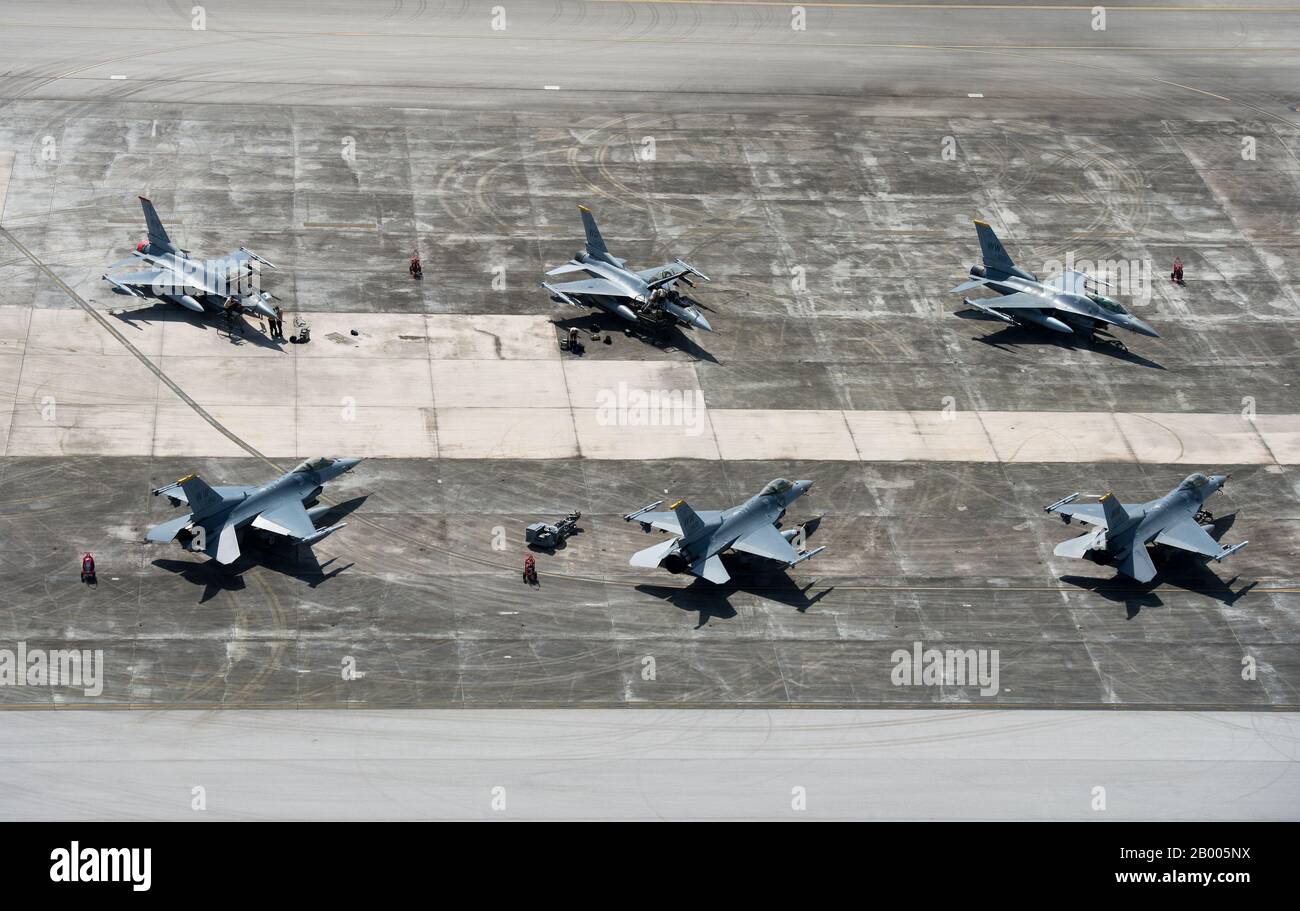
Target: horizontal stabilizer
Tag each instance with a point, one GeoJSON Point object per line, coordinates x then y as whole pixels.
{"type": "Point", "coordinates": [969, 285]}
{"type": "Point", "coordinates": [227, 544]}
{"type": "Point", "coordinates": [712, 570]}
{"type": "Point", "coordinates": [1137, 564]}
{"type": "Point", "coordinates": [1078, 547]}
{"type": "Point", "coordinates": [167, 531]}
{"type": "Point", "coordinates": [651, 557]}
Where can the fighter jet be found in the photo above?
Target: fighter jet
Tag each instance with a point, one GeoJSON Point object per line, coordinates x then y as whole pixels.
{"type": "Point", "coordinates": [649, 297]}
{"type": "Point", "coordinates": [749, 527]}
{"type": "Point", "coordinates": [196, 284]}
{"type": "Point", "coordinates": [219, 514]}
{"type": "Point", "coordinates": [1124, 531]}
{"type": "Point", "coordinates": [1064, 303]}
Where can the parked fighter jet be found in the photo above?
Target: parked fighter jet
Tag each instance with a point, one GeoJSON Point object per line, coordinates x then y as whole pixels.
{"type": "Point", "coordinates": [218, 514]}
{"type": "Point", "coordinates": [1063, 303]}
{"type": "Point", "coordinates": [749, 527]}
{"type": "Point", "coordinates": [196, 284]}
{"type": "Point", "coordinates": [649, 297]}
{"type": "Point", "coordinates": [1124, 531]}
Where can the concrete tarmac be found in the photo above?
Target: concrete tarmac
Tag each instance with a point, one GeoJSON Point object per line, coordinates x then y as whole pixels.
{"type": "Point", "coordinates": [825, 177]}
{"type": "Point", "coordinates": [652, 765]}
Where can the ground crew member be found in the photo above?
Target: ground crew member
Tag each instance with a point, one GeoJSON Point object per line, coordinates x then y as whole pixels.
{"type": "Point", "coordinates": [416, 269]}
{"type": "Point", "coordinates": [277, 323]}
{"type": "Point", "coordinates": [88, 569]}
{"type": "Point", "coordinates": [232, 311]}
{"type": "Point", "coordinates": [530, 570]}
{"type": "Point", "coordinates": [1177, 275]}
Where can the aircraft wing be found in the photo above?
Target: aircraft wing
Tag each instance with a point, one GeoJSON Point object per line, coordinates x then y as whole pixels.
{"type": "Point", "coordinates": [570, 266]}
{"type": "Point", "coordinates": [592, 286]}
{"type": "Point", "coordinates": [289, 519]}
{"type": "Point", "coordinates": [1092, 513]}
{"type": "Point", "coordinates": [766, 541]}
{"type": "Point", "coordinates": [1021, 300]}
{"type": "Point", "coordinates": [667, 521]}
{"type": "Point", "coordinates": [1070, 282]}
{"type": "Point", "coordinates": [146, 279]}
{"type": "Point", "coordinates": [1187, 535]}
{"type": "Point", "coordinates": [177, 495]}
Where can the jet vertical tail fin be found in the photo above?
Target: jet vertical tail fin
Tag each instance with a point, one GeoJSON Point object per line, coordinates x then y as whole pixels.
{"type": "Point", "coordinates": [203, 500]}
{"type": "Point", "coordinates": [1117, 517]}
{"type": "Point", "coordinates": [995, 255]}
{"type": "Point", "coordinates": [595, 243]}
{"type": "Point", "coordinates": [157, 234]}
{"type": "Point", "coordinates": [689, 520]}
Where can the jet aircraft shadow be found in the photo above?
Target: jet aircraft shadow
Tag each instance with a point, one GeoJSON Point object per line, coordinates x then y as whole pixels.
{"type": "Point", "coordinates": [750, 575]}
{"type": "Point", "coordinates": [1008, 337]}
{"type": "Point", "coordinates": [1175, 569]}
{"type": "Point", "coordinates": [672, 339]}
{"type": "Point", "coordinates": [268, 551]}
{"type": "Point", "coordinates": [163, 312]}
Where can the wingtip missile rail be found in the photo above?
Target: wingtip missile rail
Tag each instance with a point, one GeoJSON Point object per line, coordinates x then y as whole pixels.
{"type": "Point", "coordinates": [809, 555]}
{"type": "Point", "coordinates": [1230, 551]}
{"type": "Point", "coordinates": [253, 256]}
{"type": "Point", "coordinates": [642, 511]}
{"type": "Point", "coordinates": [1064, 501]}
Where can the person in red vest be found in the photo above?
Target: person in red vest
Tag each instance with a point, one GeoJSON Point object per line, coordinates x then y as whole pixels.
{"type": "Point", "coordinates": [530, 570]}
{"type": "Point", "coordinates": [88, 569]}
{"type": "Point", "coordinates": [1177, 275]}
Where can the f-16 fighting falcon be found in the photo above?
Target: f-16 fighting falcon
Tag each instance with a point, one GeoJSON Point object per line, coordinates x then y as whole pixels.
{"type": "Point", "coordinates": [749, 527]}
{"type": "Point", "coordinates": [1063, 303]}
{"type": "Point", "coordinates": [218, 514]}
{"type": "Point", "coordinates": [648, 297]}
{"type": "Point", "coordinates": [1123, 531]}
{"type": "Point", "coordinates": [196, 284]}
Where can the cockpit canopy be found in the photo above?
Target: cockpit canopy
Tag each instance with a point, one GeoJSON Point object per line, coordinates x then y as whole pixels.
{"type": "Point", "coordinates": [1194, 481]}
{"type": "Point", "coordinates": [780, 485]}
{"type": "Point", "coordinates": [315, 464]}
{"type": "Point", "coordinates": [1106, 303]}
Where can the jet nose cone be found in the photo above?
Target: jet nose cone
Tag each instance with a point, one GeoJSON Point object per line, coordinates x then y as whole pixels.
{"type": "Point", "coordinates": [802, 486]}
{"type": "Point", "coordinates": [702, 323]}
{"type": "Point", "coordinates": [1143, 329]}
{"type": "Point", "coordinates": [1219, 480]}
{"type": "Point", "coordinates": [348, 464]}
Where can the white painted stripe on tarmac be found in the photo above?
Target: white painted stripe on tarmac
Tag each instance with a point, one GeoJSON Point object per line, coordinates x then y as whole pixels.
{"type": "Point", "coordinates": [378, 430]}
{"type": "Point", "coordinates": [494, 387]}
